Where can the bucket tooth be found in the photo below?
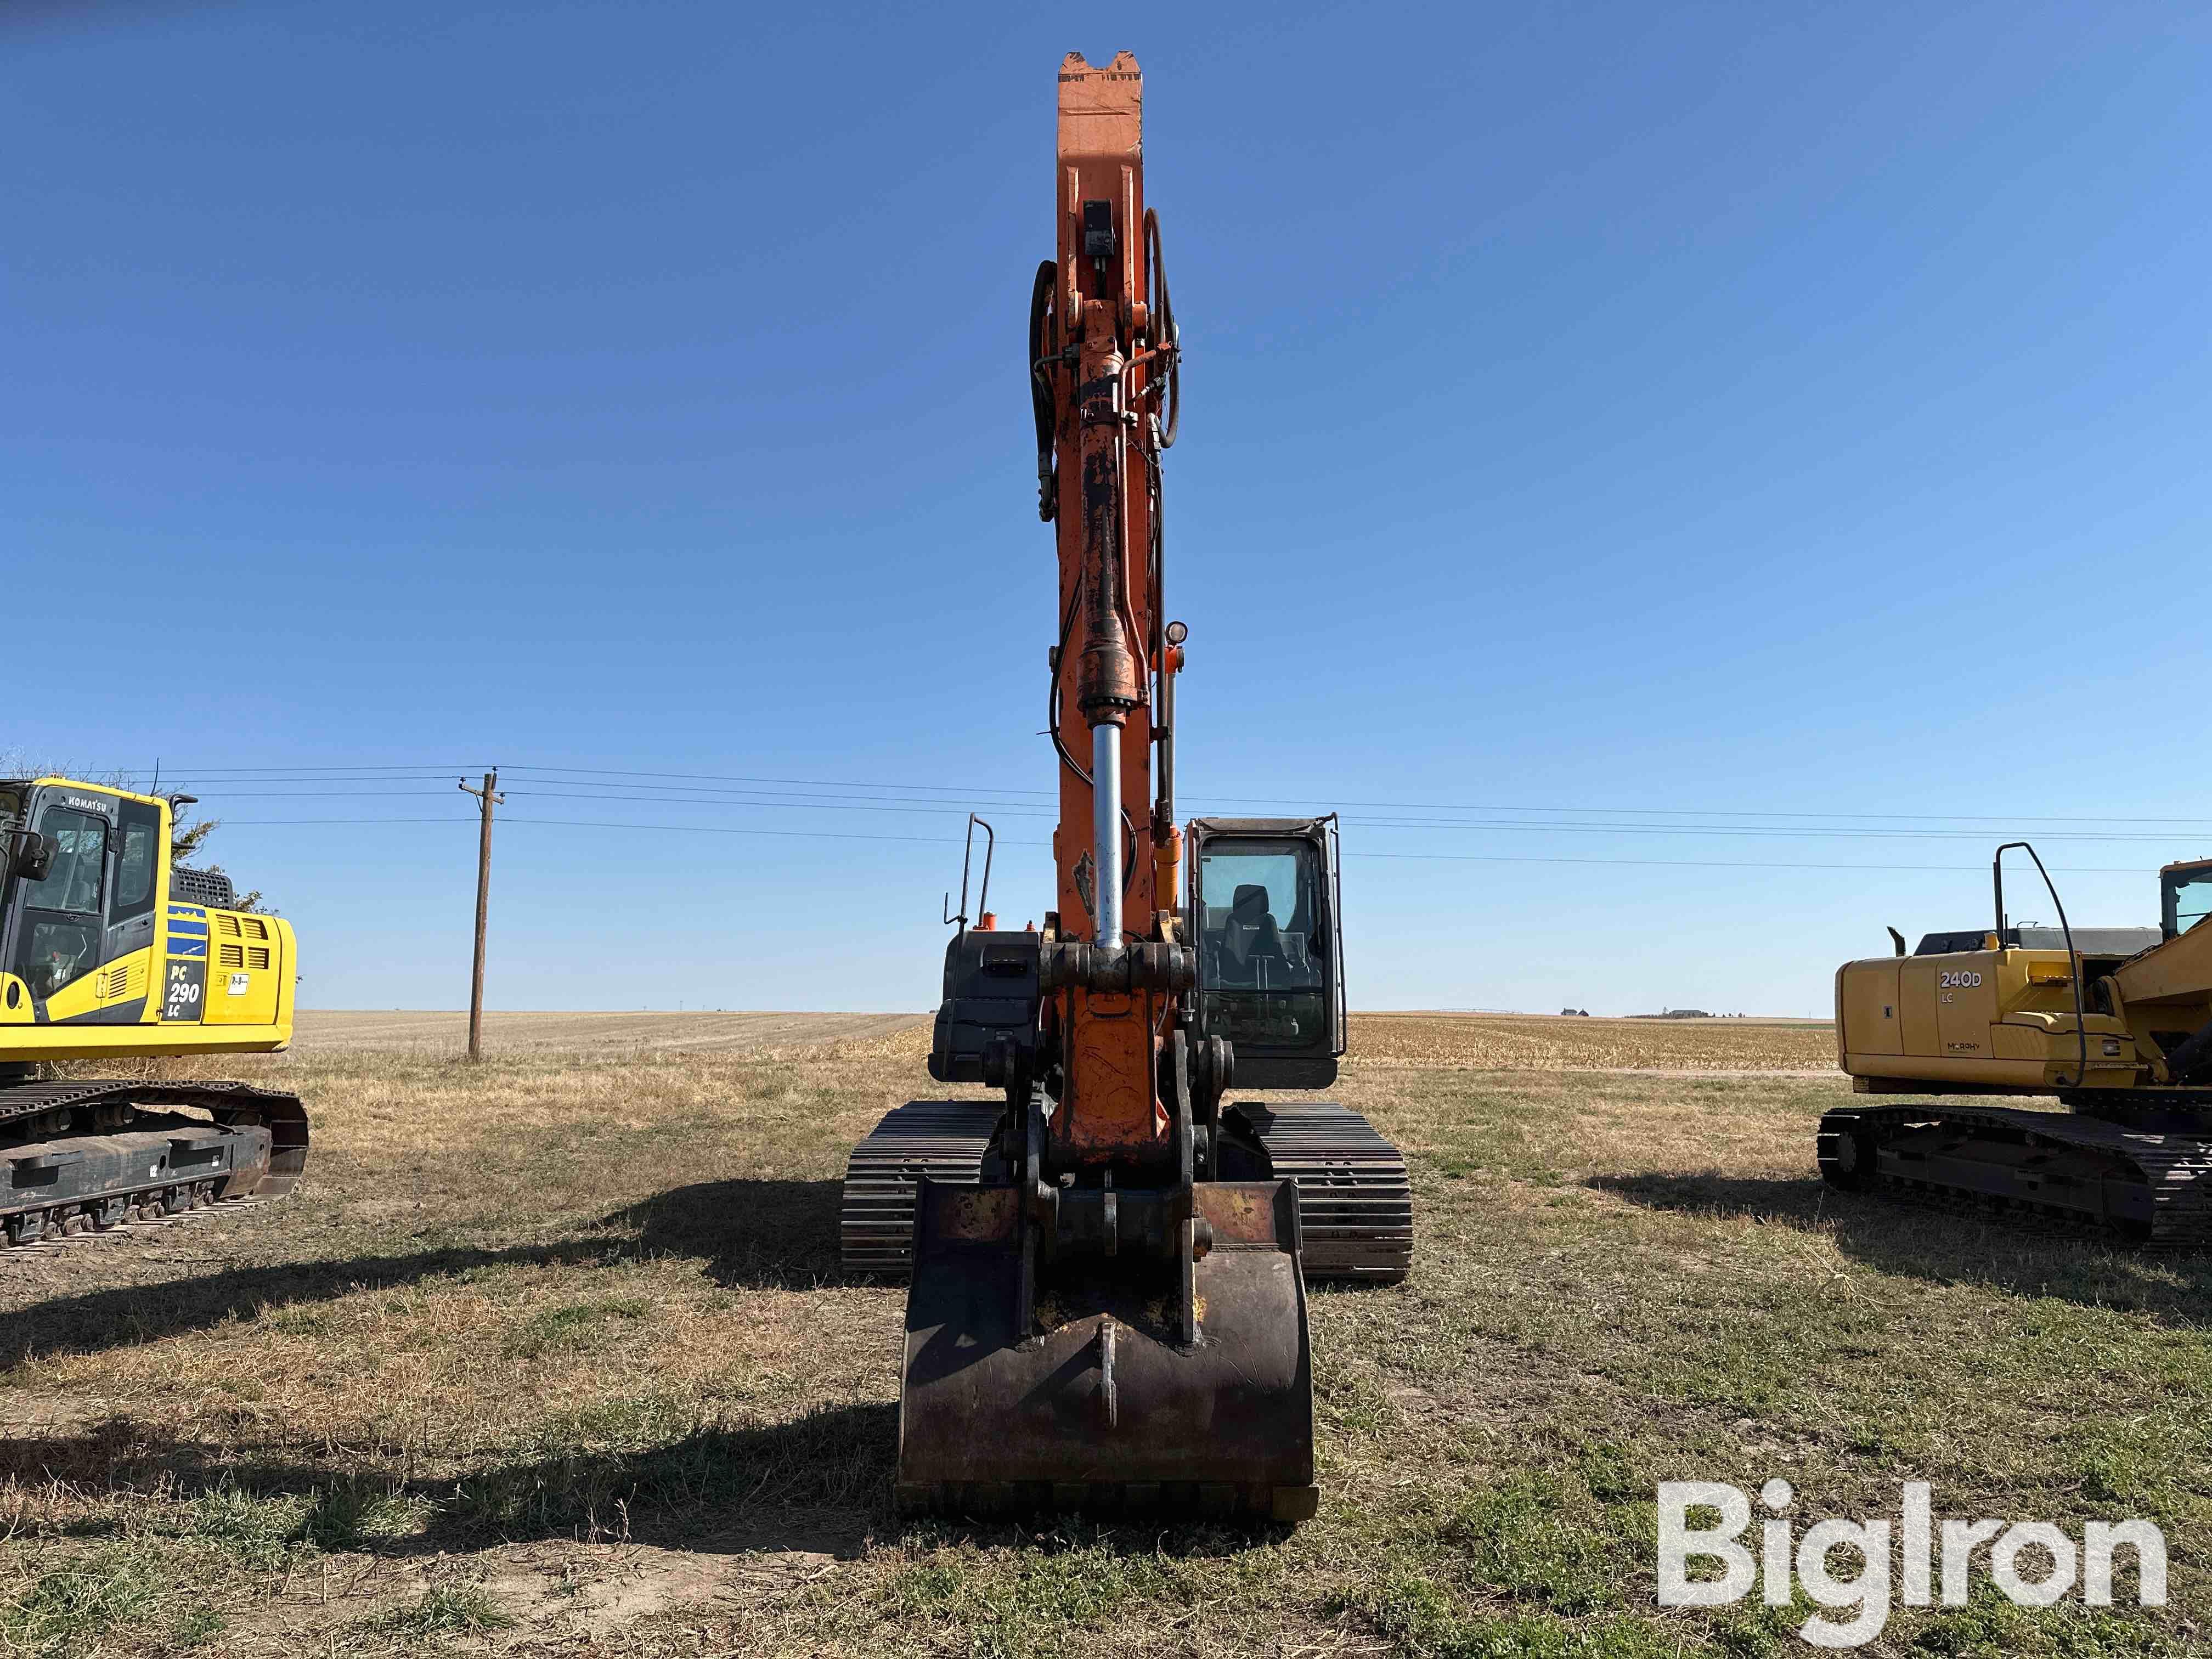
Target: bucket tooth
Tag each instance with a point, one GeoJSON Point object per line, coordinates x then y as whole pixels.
{"type": "Point", "coordinates": [1093, 1404]}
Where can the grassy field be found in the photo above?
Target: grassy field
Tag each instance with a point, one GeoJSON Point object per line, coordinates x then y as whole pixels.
{"type": "Point", "coordinates": [551, 1356]}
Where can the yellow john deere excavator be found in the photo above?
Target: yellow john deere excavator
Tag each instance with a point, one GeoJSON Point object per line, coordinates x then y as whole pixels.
{"type": "Point", "coordinates": [1106, 1307]}
{"type": "Point", "coordinates": [109, 951]}
{"type": "Point", "coordinates": [2116, 1022]}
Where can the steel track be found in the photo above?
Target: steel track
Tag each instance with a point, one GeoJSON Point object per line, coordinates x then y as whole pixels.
{"type": "Point", "coordinates": [2050, 1170]}
{"type": "Point", "coordinates": [944, 1140]}
{"type": "Point", "coordinates": [30, 1218]}
{"type": "Point", "coordinates": [63, 1244]}
{"type": "Point", "coordinates": [26, 1099]}
{"type": "Point", "coordinates": [1355, 1202]}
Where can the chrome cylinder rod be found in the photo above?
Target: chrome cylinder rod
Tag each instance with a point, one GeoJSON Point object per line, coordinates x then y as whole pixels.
{"type": "Point", "coordinates": [1106, 828]}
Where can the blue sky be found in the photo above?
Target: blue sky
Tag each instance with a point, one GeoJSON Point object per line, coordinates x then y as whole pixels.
{"type": "Point", "coordinates": [1607, 423]}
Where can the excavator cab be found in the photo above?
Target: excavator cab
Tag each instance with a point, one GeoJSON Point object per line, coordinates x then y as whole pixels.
{"type": "Point", "coordinates": [1263, 915]}
{"type": "Point", "coordinates": [2185, 896]}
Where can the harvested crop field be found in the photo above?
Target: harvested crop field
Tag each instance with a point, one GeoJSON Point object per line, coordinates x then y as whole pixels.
{"type": "Point", "coordinates": [435, 1032]}
{"type": "Point", "coordinates": [1554, 1042]}
{"type": "Point", "coordinates": [551, 1356]}
{"type": "Point", "coordinates": [1483, 1041]}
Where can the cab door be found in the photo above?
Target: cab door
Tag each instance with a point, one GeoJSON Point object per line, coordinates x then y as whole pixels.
{"type": "Point", "coordinates": [1263, 917]}
{"type": "Point", "coordinates": [139, 850]}
{"type": "Point", "coordinates": [60, 922]}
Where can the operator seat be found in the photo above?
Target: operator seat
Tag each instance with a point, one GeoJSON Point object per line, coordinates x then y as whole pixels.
{"type": "Point", "coordinates": [1249, 938]}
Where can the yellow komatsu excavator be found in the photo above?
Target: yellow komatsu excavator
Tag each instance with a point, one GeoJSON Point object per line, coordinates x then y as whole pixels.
{"type": "Point", "coordinates": [110, 950]}
{"type": "Point", "coordinates": [2116, 1022]}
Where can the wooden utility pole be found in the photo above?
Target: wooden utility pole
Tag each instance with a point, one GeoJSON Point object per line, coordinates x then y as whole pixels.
{"type": "Point", "coordinates": [490, 797]}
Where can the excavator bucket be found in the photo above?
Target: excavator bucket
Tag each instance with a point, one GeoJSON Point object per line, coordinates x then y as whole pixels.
{"type": "Point", "coordinates": [1074, 1390]}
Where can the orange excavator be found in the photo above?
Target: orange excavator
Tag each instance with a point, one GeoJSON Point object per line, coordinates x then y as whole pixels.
{"type": "Point", "coordinates": [1107, 1306]}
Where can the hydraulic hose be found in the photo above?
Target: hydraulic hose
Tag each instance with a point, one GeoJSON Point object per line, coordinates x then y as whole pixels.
{"type": "Point", "coordinates": [1163, 330]}
{"type": "Point", "coordinates": [1042, 356]}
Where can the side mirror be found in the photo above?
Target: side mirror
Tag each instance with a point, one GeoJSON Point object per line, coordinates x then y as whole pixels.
{"type": "Point", "coordinates": [30, 855]}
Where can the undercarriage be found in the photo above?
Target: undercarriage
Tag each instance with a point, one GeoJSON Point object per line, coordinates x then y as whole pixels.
{"type": "Point", "coordinates": [90, 1156]}
{"type": "Point", "coordinates": [2135, 1169]}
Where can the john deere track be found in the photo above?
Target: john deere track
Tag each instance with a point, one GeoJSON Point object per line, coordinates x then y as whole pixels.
{"type": "Point", "coordinates": [85, 1157]}
{"type": "Point", "coordinates": [2061, 1171]}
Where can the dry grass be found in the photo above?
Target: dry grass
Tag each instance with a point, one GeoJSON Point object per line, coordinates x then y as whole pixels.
{"type": "Point", "coordinates": [551, 1356]}
{"type": "Point", "coordinates": [1554, 1042]}
{"type": "Point", "coordinates": [435, 1032]}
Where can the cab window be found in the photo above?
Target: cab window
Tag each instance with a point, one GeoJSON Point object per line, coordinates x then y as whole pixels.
{"type": "Point", "coordinates": [57, 952]}
{"type": "Point", "coordinates": [1259, 911]}
{"type": "Point", "coordinates": [2192, 900]}
{"type": "Point", "coordinates": [136, 862]}
{"type": "Point", "coordinates": [80, 857]}
{"type": "Point", "coordinates": [1262, 961]}
{"type": "Point", "coordinates": [61, 928]}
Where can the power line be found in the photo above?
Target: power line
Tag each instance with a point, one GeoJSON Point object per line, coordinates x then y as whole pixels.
{"type": "Point", "coordinates": [954, 840]}
{"type": "Point", "coordinates": [732, 830]}
{"type": "Point", "coordinates": [730, 801]}
{"type": "Point", "coordinates": [1734, 864]}
{"type": "Point", "coordinates": [593, 824]}
{"type": "Point", "coordinates": [1806, 832]}
{"type": "Point", "coordinates": [1719, 812]}
{"type": "Point", "coordinates": [576, 773]}
{"type": "Point", "coordinates": [804, 783]}
{"type": "Point", "coordinates": [1405, 806]}
{"type": "Point", "coordinates": [732, 797]}
{"type": "Point", "coordinates": [935, 809]}
{"type": "Point", "coordinates": [214, 772]}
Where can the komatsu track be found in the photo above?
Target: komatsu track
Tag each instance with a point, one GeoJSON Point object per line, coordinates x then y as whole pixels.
{"type": "Point", "coordinates": [90, 1156]}
{"type": "Point", "coordinates": [1355, 1202]}
{"type": "Point", "coordinates": [2067, 1171]}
